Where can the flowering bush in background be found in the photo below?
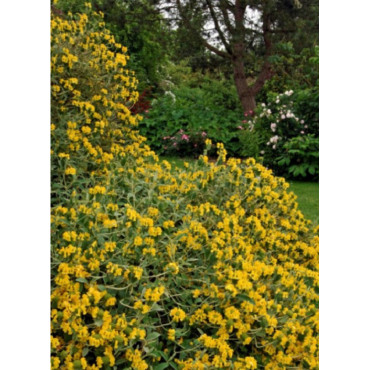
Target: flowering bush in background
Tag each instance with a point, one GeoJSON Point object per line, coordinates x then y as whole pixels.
{"type": "Point", "coordinates": [275, 123]}
{"type": "Point", "coordinates": [185, 144]}
{"type": "Point", "coordinates": [192, 110]}
{"type": "Point", "coordinates": [175, 122]}
{"type": "Point", "coordinates": [211, 266]}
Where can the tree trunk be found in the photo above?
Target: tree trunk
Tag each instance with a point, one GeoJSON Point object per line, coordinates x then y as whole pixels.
{"type": "Point", "coordinates": [245, 93]}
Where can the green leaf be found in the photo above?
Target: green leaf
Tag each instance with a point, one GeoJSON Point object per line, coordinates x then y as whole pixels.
{"type": "Point", "coordinates": [163, 355]}
{"type": "Point", "coordinates": [311, 170]}
{"type": "Point", "coordinates": [153, 335]}
{"type": "Point", "coordinates": [156, 307]}
{"type": "Point", "coordinates": [81, 280]}
{"type": "Point", "coordinates": [296, 171]}
{"type": "Point", "coordinates": [161, 366]}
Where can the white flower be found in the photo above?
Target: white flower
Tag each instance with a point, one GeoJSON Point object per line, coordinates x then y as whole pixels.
{"type": "Point", "coordinates": [273, 127]}
{"type": "Point", "coordinates": [171, 94]}
{"type": "Point", "coordinates": [283, 116]}
{"type": "Point", "coordinates": [302, 122]}
{"type": "Point", "coordinates": [274, 139]}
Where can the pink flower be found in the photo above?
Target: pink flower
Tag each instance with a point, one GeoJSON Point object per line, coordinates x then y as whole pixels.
{"type": "Point", "coordinates": [185, 137]}
{"type": "Point", "coordinates": [146, 111]}
{"type": "Point", "coordinates": [174, 144]}
{"type": "Point", "coordinates": [204, 134]}
{"type": "Point", "coordinates": [273, 127]}
{"type": "Point", "coordinates": [240, 127]}
{"type": "Point", "coordinates": [181, 131]}
{"type": "Point", "coordinates": [302, 132]}
{"type": "Point", "coordinates": [244, 121]}
{"type": "Point", "coordinates": [195, 145]}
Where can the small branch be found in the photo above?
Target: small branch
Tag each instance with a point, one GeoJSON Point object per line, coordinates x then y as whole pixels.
{"type": "Point", "coordinates": [217, 26]}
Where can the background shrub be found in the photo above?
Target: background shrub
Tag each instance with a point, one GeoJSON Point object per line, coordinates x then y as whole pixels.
{"type": "Point", "coordinates": [193, 107]}
{"type": "Point", "coordinates": [193, 110]}
{"type": "Point", "coordinates": [301, 157]}
{"type": "Point", "coordinates": [282, 135]}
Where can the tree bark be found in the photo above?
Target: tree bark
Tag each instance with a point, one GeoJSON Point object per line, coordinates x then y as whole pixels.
{"type": "Point", "coordinates": [246, 94]}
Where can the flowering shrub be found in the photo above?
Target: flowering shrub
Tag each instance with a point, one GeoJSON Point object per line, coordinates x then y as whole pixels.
{"type": "Point", "coordinates": [212, 266]}
{"type": "Point", "coordinates": [185, 143]}
{"type": "Point", "coordinates": [275, 124]}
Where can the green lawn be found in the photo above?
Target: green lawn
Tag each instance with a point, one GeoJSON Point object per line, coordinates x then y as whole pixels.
{"type": "Point", "coordinates": [308, 198]}
{"type": "Point", "coordinates": [307, 192]}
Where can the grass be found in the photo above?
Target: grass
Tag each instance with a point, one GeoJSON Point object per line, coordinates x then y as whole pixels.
{"type": "Point", "coordinates": [308, 198]}
{"type": "Point", "coordinates": [307, 192]}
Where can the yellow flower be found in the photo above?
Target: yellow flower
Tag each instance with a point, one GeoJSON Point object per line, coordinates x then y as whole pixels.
{"type": "Point", "coordinates": [232, 313]}
{"type": "Point", "coordinates": [168, 224]}
{"type": "Point", "coordinates": [138, 241]}
{"type": "Point", "coordinates": [55, 363]}
{"type": "Point", "coordinates": [70, 171]}
{"type": "Point", "coordinates": [110, 301]}
{"type": "Point", "coordinates": [171, 334]}
{"type": "Point", "coordinates": [109, 224]}
{"type": "Point", "coordinates": [110, 246]}
{"type": "Point", "coordinates": [154, 294]}
{"type": "Point", "coordinates": [177, 314]}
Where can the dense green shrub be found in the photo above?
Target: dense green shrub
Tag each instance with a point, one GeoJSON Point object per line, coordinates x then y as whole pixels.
{"type": "Point", "coordinates": [306, 103]}
{"type": "Point", "coordinates": [210, 266]}
{"type": "Point", "coordinates": [250, 143]}
{"type": "Point", "coordinates": [192, 111]}
{"type": "Point", "coordinates": [301, 157]}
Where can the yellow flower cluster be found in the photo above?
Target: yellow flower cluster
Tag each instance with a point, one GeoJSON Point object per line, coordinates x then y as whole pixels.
{"type": "Point", "coordinates": [211, 266]}
{"type": "Point", "coordinates": [177, 314]}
